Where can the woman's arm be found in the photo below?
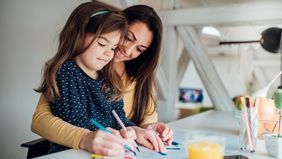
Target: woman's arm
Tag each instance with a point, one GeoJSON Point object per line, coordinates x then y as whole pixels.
{"type": "Point", "coordinates": [151, 123]}
{"type": "Point", "coordinates": [54, 129]}
{"type": "Point", "coordinates": [151, 116]}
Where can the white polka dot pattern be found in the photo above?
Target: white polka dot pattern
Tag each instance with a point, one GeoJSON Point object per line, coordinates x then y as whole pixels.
{"type": "Point", "coordinates": [82, 100]}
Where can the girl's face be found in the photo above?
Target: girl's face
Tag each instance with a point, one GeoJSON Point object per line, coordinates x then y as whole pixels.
{"type": "Point", "coordinates": [99, 53]}
{"type": "Point", "coordinates": [138, 40]}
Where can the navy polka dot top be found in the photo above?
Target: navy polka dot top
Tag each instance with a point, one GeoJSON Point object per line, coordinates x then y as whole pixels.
{"type": "Point", "coordinates": [81, 99]}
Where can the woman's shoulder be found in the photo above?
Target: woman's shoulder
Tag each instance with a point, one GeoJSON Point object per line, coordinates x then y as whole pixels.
{"type": "Point", "coordinates": [129, 83]}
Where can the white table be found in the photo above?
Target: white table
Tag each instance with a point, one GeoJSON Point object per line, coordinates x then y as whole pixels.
{"type": "Point", "coordinates": [215, 121]}
{"type": "Point", "coordinates": [221, 122]}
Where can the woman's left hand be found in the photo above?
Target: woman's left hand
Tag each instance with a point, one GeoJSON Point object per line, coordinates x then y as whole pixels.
{"type": "Point", "coordinates": [165, 133]}
{"type": "Point", "coordinates": [149, 139]}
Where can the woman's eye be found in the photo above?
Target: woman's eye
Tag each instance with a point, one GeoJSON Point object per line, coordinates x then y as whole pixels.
{"type": "Point", "coordinates": [100, 44]}
{"type": "Point", "coordinates": [129, 38]}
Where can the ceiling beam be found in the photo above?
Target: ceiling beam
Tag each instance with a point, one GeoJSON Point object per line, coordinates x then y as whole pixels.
{"type": "Point", "coordinates": [127, 3]}
{"type": "Point", "coordinates": [169, 67]}
{"type": "Point", "coordinates": [161, 84]}
{"type": "Point", "coordinates": [183, 63]}
{"type": "Point", "coordinates": [260, 12]}
{"type": "Point", "coordinates": [205, 68]}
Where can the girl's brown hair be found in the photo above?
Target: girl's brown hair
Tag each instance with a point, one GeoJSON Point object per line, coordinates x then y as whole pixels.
{"type": "Point", "coordinates": [143, 68]}
{"type": "Point", "coordinates": [83, 21]}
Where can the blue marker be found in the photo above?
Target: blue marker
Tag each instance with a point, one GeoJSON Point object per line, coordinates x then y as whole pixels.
{"type": "Point", "coordinates": [175, 143]}
{"type": "Point", "coordinates": [101, 127]}
{"type": "Point", "coordinates": [173, 148]}
{"type": "Point", "coordinates": [164, 154]}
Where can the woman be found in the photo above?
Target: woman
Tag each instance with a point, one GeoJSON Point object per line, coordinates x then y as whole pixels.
{"type": "Point", "coordinates": [136, 63]}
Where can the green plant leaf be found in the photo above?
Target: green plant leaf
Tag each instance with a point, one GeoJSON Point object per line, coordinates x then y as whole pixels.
{"type": "Point", "coordinates": [278, 98]}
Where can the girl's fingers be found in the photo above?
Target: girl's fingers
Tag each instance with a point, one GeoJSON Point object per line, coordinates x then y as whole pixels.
{"type": "Point", "coordinates": [132, 132]}
{"type": "Point", "coordinates": [129, 133]}
{"type": "Point", "coordinates": [114, 132]}
{"type": "Point", "coordinates": [108, 150]}
{"type": "Point", "coordinates": [111, 138]}
{"type": "Point", "coordinates": [103, 143]}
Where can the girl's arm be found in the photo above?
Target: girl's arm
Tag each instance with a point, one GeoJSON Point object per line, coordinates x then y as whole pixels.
{"type": "Point", "coordinates": [118, 107]}
{"type": "Point", "coordinates": [54, 129]}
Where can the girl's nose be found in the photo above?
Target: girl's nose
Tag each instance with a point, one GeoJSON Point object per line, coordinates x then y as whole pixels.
{"type": "Point", "coordinates": [109, 52]}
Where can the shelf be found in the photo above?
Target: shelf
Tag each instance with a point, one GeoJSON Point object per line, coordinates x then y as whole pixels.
{"type": "Point", "coordinates": [188, 105]}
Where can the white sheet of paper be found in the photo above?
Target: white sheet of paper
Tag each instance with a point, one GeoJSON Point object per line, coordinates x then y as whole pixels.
{"type": "Point", "coordinates": [231, 146]}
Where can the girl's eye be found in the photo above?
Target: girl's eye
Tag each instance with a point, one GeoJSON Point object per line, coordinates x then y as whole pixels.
{"type": "Point", "coordinates": [100, 44]}
{"type": "Point", "coordinates": [139, 50]}
{"type": "Point", "coordinates": [114, 49]}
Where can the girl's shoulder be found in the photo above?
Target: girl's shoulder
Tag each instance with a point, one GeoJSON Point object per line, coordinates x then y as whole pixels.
{"type": "Point", "coordinates": [69, 64]}
{"type": "Point", "coordinates": [67, 68]}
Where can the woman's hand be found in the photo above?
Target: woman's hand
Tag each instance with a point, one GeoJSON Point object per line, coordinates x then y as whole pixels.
{"type": "Point", "coordinates": [103, 143]}
{"type": "Point", "coordinates": [164, 132]}
{"type": "Point", "coordinates": [149, 139]}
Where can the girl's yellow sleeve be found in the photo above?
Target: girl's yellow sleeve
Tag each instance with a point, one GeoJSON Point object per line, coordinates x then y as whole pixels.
{"type": "Point", "coordinates": [54, 129]}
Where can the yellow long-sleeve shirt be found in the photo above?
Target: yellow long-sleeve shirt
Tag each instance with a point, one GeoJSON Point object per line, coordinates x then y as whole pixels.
{"type": "Point", "coordinates": [54, 129]}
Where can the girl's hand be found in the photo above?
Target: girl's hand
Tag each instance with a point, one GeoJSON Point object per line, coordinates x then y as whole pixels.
{"type": "Point", "coordinates": [149, 139]}
{"type": "Point", "coordinates": [103, 143]}
{"type": "Point", "coordinates": [129, 135]}
{"type": "Point", "coordinates": [164, 132]}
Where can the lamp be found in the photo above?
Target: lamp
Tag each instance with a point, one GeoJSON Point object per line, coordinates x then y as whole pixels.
{"type": "Point", "coordinates": [263, 92]}
{"type": "Point", "coordinates": [271, 41]}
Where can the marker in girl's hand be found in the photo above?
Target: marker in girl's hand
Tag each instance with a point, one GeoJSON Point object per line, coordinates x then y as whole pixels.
{"type": "Point", "coordinates": [123, 127]}
{"type": "Point", "coordinates": [101, 127]}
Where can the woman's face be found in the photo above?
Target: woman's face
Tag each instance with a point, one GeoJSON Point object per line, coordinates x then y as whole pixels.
{"type": "Point", "coordinates": [138, 40]}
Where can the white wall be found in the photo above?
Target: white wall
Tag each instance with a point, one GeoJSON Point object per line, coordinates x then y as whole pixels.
{"type": "Point", "coordinates": [28, 38]}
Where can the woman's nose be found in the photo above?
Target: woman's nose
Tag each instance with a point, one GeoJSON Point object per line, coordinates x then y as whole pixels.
{"type": "Point", "coordinates": [128, 49]}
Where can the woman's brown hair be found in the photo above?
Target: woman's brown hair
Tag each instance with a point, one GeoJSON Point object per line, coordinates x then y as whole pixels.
{"type": "Point", "coordinates": [88, 18]}
{"type": "Point", "coordinates": [143, 68]}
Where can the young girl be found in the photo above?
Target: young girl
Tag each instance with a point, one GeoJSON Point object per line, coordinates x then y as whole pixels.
{"type": "Point", "coordinates": [75, 81]}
